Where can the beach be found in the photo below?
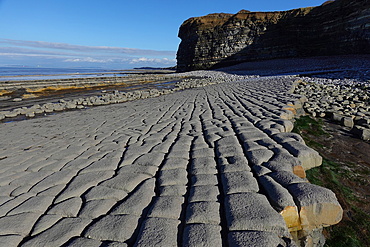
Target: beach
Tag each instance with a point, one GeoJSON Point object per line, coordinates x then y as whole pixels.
{"type": "Point", "coordinates": [212, 164]}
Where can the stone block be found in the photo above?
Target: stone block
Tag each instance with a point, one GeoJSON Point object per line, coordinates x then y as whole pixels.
{"type": "Point", "coordinates": [204, 179]}
{"type": "Point", "coordinates": [59, 233]}
{"type": "Point", "coordinates": [125, 181]}
{"type": "Point", "coordinates": [79, 241]}
{"type": "Point", "coordinates": [95, 208]}
{"type": "Point", "coordinates": [318, 206]}
{"type": "Point", "coordinates": [67, 208]}
{"type": "Point", "coordinates": [158, 232]}
{"type": "Point", "coordinates": [174, 163]}
{"type": "Point", "coordinates": [172, 190]}
{"type": "Point", "coordinates": [236, 182]}
{"type": "Point", "coordinates": [233, 164]}
{"type": "Point", "coordinates": [202, 235]}
{"type": "Point", "coordinates": [259, 156]}
{"type": "Point", "coordinates": [254, 238]}
{"type": "Point", "coordinates": [347, 122]}
{"type": "Point", "coordinates": [102, 192]}
{"type": "Point", "coordinates": [19, 224]}
{"type": "Point", "coordinates": [286, 178]}
{"type": "Point", "coordinates": [138, 200]}
{"type": "Point", "coordinates": [308, 157]}
{"type": "Point", "coordinates": [361, 132]}
{"type": "Point", "coordinates": [203, 213]}
{"type": "Point", "coordinates": [173, 177]}
{"type": "Point", "coordinates": [113, 228]}
{"type": "Point", "coordinates": [203, 193]}
{"type": "Point", "coordinates": [242, 214]}
{"type": "Point", "coordinates": [166, 207]}
{"type": "Point", "coordinates": [282, 201]}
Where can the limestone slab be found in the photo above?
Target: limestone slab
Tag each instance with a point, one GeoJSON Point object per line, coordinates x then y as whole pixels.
{"type": "Point", "coordinates": [113, 228]}
{"type": "Point", "coordinates": [173, 177]}
{"type": "Point", "coordinates": [60, 233]}
{"type": "Point", "coordinates": [166, 207]}
{"type": "Point", "coordinates": [67, 208]}
{"type": "Point", "coordinates": [242, 214]}
{"type": "Point", "coordinates": [102, 192]}
{"type": "Point", "coordinates": [19, 224]}
{"type": "Point", "coordinates": [237, 182]}
{"type": "Point", "coordinates": [126, 181]}
{"type": "Point", "coordinates": [95, 208]}
{"type": "Point", "coordinates": [254, 238]}
{"type": "Point", "coordinates": [203, 213]}
{"type": "Point", "coordinates": [158, 232]}
{"type": "Point", "coordinates": [138, 200]}
{"type": "Point", "coordinates": [202, 235]}
{"type": "Point", "coordinates": [82, 182]}
{"type": "Point", "coordinates": [203, 193]}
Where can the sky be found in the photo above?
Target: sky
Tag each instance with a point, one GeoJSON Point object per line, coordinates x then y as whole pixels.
{"type": "Point", "coordinates": [112, 34]}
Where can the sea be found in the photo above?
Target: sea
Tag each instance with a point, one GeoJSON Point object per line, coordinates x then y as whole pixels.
{"type": "Point", "coordinates": [27, 73]}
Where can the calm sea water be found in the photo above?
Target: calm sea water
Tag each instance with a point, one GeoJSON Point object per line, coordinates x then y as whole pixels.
{"type": "Point", "coordinates": [21, 73]}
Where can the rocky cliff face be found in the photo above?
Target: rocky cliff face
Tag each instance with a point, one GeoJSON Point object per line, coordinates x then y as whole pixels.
{"type": "Point", "coordinates": [217, 40]}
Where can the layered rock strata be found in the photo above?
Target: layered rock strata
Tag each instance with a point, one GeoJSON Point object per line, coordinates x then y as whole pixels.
{"type": "Point", "coordinates": [218, 40]}
{"type": "Point", "coordinates": [212, 166]}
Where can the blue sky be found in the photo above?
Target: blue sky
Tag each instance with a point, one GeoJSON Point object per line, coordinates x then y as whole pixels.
{"type": "Point", "coordinates": [115, 34]}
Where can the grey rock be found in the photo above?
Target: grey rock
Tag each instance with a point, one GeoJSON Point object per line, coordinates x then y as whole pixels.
{"type": "Point", "coordinates": [307, 156]}
{"type": "Point", "coordinates": [243, 215]}
{"type": "Point", "coordinates": [34, 204]}
{"type": "Point", "coordinates": [113, 228]}
{"type": "Point", "coordinates": [45, 222]}
{"type": "Point", "coordinates": [126, 181]}
{"type": "Point", "coordinates": [278, 196]}
{"type": "Point", "coordinates": [78, 242]}
{"type": "Point", "coordinates": [95, 208]}
{"type": "Point", "coordinates": [236, 182]}
{"type": "Point", "coordinates": [254, 238]}
{"type": "Point", "coordinates": [233, 164]}
{"type": "Point", "coordinates": [258, 156]}
{"type": "Point", "coordinates": [286, 178]}
{"type": "Point", "coordinates": [158, 232]}
{"type": "Point", "coordinates": [173, 177]}
{"type": "Point", "coordinates": [10, 240]}
{"type": "Point", "coordinates": [204, 179]}
{"type": "Point", "coordinates": [166, 207]}
{"type": "Point", "coordinates": [203, 213]}
{"type": "Point", "coordinates": [102, 192]}
{"type": "Point", "coordinates": [19, 224]}
{"type": "Point", "coordinates": [67, 208]}
{"type": "Point", "coordinates": [174, 163]}
{"type": "Point", "coordinates": [202, 235]}
{"type": "Point", "coordinates": [82, 182]}
{"type": "Point", "coordinates": [203, 193]}
{"type": "Point", "coordinates": [172, 190]}
{"type": "Point", "coordinates": [138, 200]}
{"type": "Point", "coordinates": [60, 233]}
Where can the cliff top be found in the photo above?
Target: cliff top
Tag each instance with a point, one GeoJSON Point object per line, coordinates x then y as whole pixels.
{"type": "Point", "coordinates": [213, 20]}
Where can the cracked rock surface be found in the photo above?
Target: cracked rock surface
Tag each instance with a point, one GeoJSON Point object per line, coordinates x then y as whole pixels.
{"type": "Point", "coordinates": [209, 166]}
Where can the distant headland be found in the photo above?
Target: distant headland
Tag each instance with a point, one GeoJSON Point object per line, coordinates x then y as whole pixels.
{"type": "Point", "coordinates": [335, 28]}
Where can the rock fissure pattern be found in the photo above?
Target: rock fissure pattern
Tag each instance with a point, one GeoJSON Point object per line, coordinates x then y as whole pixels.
{"type": "Point", "coordinates": [210, 166]}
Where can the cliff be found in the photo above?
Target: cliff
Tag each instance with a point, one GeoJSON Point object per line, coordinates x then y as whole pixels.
{"type": "Point", "coordinates": [217, 40]}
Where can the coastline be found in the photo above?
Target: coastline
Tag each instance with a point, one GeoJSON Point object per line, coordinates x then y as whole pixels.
{"type": "Point", "coordinates": [165, 146]}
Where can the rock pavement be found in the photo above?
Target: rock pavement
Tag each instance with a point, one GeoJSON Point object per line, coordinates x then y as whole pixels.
{"type": "Point", "coordinates": [209, 166]}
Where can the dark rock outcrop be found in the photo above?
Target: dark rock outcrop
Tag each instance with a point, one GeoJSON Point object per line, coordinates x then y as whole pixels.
{"type": "Point", "coordinates": [217, 40]}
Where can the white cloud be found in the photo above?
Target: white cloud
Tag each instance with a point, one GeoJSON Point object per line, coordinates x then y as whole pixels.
{"type": "Point", "coordinates": [88, 59]}
{"type": "Point", "coordinates": [60, 54]}
{"type": "Point", "coordinates": [80, 48]}
{"type": "Point", "coordinates": [152, 60]}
